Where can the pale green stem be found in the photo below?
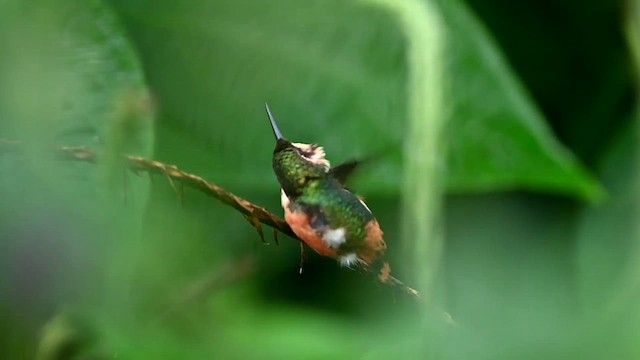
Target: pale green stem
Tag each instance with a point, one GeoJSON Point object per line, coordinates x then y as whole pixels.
{"type": "Point", "coordinates": [424, 142]}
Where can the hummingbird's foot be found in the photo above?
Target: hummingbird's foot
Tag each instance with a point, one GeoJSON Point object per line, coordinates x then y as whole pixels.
{"type": "Point", "coordinates": [275, 236]}
{"type": "Point", "coordinates": [255, 222]}
{"type": "Point", "coordinates": [303, 257]}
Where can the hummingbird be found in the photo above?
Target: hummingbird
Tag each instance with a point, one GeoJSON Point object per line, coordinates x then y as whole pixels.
{"type": "Point", "coordinates": [318, 207]}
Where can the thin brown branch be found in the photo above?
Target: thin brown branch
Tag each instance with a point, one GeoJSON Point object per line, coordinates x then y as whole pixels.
{"type": "Point", "coordinates": [213, 280]}
{"type": "Point", "coordinates": [256, 215]}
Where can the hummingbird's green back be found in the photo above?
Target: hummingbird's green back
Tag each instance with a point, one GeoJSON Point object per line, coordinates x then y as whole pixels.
{"type": "Point", "coordinates": [338, 206]}
{"type": "Point", "coordinates": [311, 187]}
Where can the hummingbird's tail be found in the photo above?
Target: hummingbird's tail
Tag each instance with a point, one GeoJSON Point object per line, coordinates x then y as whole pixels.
{"type": "Point", "coordinates": [382, 271]}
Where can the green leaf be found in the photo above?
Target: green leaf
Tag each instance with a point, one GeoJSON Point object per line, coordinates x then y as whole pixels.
{"type": "Point", "coordinates": [499, 139]}
{"type": "Point", "coordinates": [335, 73]}
{"type": "Point", "coordinates": [68, 77]}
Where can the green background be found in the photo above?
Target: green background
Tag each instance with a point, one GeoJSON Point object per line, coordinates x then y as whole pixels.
{"type": "Point", "coordinates": [502, 138]}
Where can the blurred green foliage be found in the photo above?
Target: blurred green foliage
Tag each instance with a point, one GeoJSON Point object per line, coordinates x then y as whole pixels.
{"type": "Point", "coordinates": [97, 262]}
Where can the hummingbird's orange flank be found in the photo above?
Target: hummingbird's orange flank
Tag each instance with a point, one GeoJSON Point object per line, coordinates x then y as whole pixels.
{"type": "Point", "coordinates": [319, 209]}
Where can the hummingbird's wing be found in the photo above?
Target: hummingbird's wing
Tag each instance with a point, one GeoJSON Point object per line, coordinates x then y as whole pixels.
{"type": "Point", "coordinates": [337, 224]}
{"type": "Point", "coordinates": [343, 171]}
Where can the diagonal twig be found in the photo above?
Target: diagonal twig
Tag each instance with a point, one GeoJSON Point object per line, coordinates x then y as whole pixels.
{"type": "Point", "coordinates": [213, 280]}
{"type": "Point", "coordinates": [255, 214]}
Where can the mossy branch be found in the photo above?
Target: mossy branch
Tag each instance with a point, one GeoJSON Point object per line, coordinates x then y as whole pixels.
{"type": "Point", "coordinates": [256, 215]}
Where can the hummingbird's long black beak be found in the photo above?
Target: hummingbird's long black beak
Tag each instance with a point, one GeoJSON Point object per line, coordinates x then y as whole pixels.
{"type": "Point", "coordinates": [274, 126]}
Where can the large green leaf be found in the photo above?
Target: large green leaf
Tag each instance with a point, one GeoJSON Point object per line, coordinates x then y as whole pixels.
{"type": "Point", "coordinates": [499, 139]}
{"type": "Point", "coordinates": [68, 76]}
{"type": "Point", "coordinates": [335, 72]}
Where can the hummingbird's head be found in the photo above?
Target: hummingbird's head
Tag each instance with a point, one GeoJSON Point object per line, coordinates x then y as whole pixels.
{"type": "Point", "coordinates": [296, 165]}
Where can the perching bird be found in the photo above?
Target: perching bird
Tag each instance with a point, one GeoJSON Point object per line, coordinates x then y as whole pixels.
{"type": "Point", "coordinates": [319, 209]}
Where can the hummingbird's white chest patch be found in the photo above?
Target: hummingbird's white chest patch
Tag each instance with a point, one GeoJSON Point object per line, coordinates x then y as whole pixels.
{"type": "Point", "coordinates": [334, 237]}
{"type": "Point", "coordinates": [284, 199]}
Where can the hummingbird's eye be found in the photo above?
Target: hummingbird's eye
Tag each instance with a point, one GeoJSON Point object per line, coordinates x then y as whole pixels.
{"type": "Point", "coordinates": [307, 153]}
